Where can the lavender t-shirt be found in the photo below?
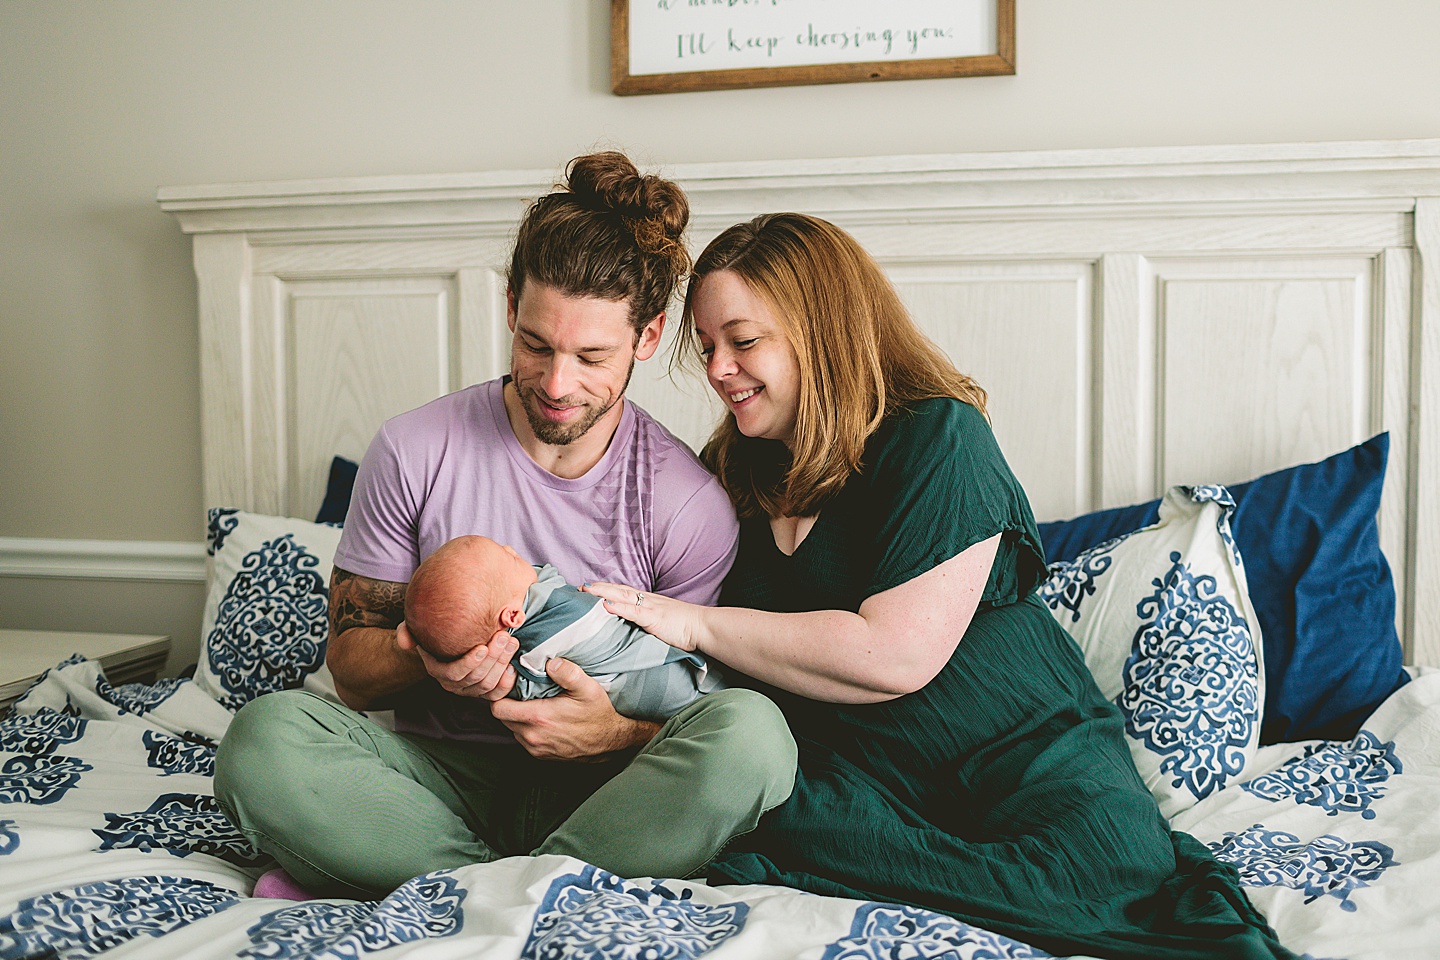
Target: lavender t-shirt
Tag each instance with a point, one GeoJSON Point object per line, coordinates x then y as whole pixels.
{"type": "Point", "coordinates": [648, 514]}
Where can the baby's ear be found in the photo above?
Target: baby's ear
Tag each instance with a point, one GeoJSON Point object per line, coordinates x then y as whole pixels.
{"type": "Point", "coordinates": [512, 617]}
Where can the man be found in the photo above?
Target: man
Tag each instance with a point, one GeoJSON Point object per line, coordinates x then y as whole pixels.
{"type": "Point", "coordinates": [553, 461]}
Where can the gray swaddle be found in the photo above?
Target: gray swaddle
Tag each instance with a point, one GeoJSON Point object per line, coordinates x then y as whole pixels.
{"type": "Point", "coordinates": [647, 679]}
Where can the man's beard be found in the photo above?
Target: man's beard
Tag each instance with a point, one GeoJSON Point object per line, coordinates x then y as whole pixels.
{"type": "Point", "coordinates": [559, 434]}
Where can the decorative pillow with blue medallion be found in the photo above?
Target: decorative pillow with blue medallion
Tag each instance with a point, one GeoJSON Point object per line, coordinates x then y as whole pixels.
{"type": "Point", "coordinates": [265, 622]}
{"type": "Point", "coordinates": [1320, 584]}
{"type": "Point", "coordinates": [1164, 618]}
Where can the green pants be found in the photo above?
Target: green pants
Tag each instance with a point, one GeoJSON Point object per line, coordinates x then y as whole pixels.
{"type": "Point", "coordinates": [350, 808]}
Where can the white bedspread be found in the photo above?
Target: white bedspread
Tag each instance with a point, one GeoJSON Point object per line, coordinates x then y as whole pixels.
{"type": "Point", "coordinates": [111, 842]}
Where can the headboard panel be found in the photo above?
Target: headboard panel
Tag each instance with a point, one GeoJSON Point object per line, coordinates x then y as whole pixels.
{"type": "Point", "coordinates": [1140, 317]}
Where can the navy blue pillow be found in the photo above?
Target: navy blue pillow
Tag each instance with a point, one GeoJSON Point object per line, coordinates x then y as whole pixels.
{"type": "Point", "coordinates": [1320, 586]}
{"type": "Point", "coordinates": [337, 491]}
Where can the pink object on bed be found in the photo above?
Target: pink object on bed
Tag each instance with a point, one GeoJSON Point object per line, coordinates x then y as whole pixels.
{"type": "Point", "coordinates": [278, 885]}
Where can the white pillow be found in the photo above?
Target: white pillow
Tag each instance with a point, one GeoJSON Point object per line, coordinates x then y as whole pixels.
{"type": "Point", "coordinates": [265, 623]}
{"type": "Point", "coordinates": [1164, 619]}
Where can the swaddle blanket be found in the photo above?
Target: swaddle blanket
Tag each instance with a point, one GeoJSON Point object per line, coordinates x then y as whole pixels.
{"type": "Point", "coordinates": [647, 679]}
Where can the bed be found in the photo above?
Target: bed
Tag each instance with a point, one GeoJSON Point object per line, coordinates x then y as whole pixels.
{"type": "Point", "coordinates": [1235, 425]}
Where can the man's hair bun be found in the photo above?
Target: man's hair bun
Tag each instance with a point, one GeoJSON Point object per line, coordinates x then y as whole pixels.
{"type": "Point", "coordinates": [606, 232]}
{"type": "Point", "coordinates": [655, 209]}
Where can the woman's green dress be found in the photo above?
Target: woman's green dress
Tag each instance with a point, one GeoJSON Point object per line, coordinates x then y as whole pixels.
{"type": "Point", "coordinates": [1002, 793]}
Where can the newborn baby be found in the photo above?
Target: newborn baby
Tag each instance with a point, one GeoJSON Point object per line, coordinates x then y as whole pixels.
{"type": "Point", "coordinates": [472, 587]}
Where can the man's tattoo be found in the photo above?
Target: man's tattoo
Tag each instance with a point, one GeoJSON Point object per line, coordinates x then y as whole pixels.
{"type": "Point", "coordinates": [357, 601]}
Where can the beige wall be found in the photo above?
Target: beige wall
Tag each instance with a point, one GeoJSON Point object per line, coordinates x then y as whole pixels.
{"type": "Point", "coordinates": [100, 103]}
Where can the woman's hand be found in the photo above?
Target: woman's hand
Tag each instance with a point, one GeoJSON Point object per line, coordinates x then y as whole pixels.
{"type": "Point", "coordinates": [483, 672]}
{"type": "Point", "coordinates": [674, 621]}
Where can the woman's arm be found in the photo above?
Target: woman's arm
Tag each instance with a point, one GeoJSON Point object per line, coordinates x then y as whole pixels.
{"type": "Point", "coordinates": [897, 642]}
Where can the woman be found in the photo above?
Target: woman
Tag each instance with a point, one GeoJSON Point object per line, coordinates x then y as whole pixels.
{"type": "Point", "coordinates": [955, 753]}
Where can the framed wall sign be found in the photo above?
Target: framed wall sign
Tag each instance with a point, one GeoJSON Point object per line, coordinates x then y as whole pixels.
{"type": "Point", "coordinates": [670, 46]}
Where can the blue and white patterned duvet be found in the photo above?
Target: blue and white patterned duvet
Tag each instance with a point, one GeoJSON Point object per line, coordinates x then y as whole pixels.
{"type": "Point", "coordinates": [111, 842]}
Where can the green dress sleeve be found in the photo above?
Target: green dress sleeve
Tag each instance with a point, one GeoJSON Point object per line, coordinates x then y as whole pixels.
{"type": "Point", "coordinates": [937, 484]}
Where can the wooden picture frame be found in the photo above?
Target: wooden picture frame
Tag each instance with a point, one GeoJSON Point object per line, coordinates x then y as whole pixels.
{"type": "Point", "coordinates": [760, 43]}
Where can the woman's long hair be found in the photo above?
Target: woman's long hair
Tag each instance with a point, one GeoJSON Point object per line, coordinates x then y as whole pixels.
{"type": "Point", "coordinates": [861, 358]}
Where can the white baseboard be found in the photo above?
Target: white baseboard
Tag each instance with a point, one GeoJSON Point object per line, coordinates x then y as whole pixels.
{"type": "Point", "coordinates": [147, 560]}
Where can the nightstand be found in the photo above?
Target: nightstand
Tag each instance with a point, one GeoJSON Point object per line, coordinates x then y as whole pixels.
{"type": "Point", "coordinates": [125, 657]}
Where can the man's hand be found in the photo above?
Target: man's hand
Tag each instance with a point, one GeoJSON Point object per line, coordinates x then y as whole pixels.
{"type": "Point", "coordinates": [483, 672]}
{"type": "Point", "coordinates": [577, 724]}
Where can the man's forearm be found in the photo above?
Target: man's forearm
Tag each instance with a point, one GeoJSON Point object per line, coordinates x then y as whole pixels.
{"type": "Point", "coordinates": [364, 659]}
{"type": "Point", "coordinates": [368, 666]}
{"type": "Point", "coordinates": [627, 735]}
{"type": "Point", "coordinates": [640, 733]}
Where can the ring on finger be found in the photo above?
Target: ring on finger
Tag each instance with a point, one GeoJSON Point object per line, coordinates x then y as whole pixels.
{"type": "Point", "coordinates": [639, 599]}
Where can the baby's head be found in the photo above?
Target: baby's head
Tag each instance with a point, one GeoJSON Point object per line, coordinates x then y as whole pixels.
{"type": "Point", "coordinates": [463, 593]}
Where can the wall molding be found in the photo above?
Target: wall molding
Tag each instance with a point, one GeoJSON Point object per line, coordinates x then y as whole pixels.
{"type": "Point", "coordinates": [154, 561]}
{"type": "Point", "coordinates": [1359, 175]}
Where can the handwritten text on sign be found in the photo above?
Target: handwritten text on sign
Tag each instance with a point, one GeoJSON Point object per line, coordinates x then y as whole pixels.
{"type": "Point", "coordinates": [682, 36]}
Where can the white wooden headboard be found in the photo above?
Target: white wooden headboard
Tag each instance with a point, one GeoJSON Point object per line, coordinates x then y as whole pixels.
{"type": "Point", "coordinates": [1140, 317]}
